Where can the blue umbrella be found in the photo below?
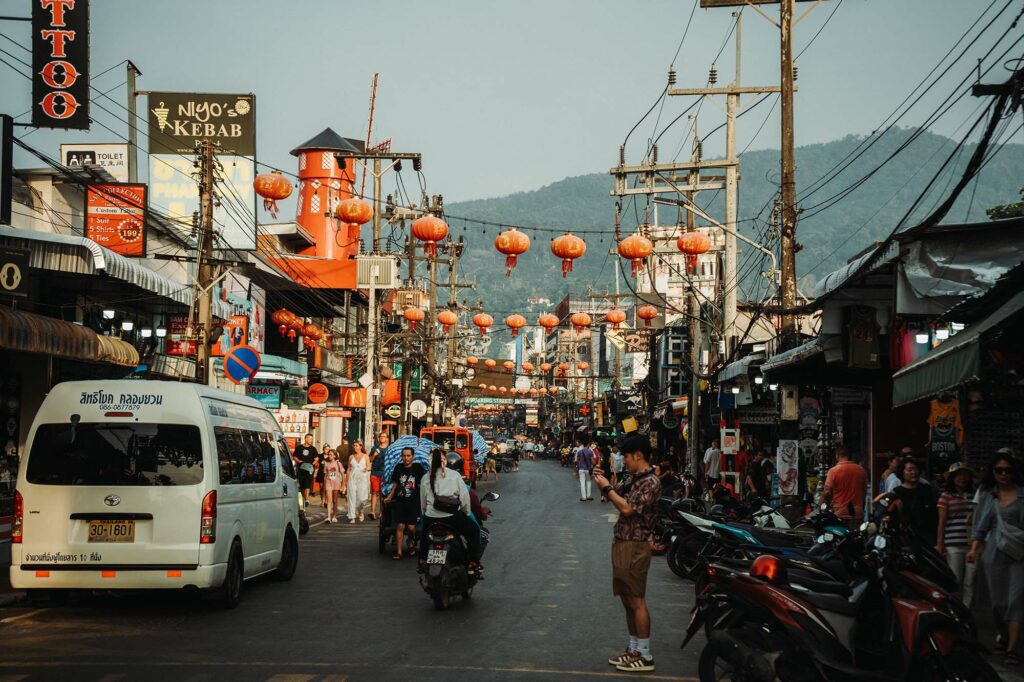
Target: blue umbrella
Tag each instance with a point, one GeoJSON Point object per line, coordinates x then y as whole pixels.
{"type": "Point", "coordinates": [480, 445]}
{"type": "Point", "coordinates": [393, 456]}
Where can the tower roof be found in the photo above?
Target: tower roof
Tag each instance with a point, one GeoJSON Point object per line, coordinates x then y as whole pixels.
{"type": "Point", "coordinates": [329, 140]}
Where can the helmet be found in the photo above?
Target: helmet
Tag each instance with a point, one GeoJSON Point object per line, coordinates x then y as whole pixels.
{"type": "Point", "coordinates": [454, 461]}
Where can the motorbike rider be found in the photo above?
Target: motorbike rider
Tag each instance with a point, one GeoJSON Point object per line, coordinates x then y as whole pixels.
{"type": "Point", "coordinates": [445, 497]}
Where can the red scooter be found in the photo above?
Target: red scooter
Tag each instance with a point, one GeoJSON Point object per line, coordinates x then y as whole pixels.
{"type": "Point", "coordinates": [772, 621]}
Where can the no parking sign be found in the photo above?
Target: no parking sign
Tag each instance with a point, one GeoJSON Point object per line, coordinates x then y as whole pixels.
{"type": "Point", "coordinates": [241, 364]}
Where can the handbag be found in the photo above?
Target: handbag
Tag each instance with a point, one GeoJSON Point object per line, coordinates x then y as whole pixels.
{"type": "Point", "coordinates": [446, 504]}
{"type": "Point", "coordinates": [1010, 539]}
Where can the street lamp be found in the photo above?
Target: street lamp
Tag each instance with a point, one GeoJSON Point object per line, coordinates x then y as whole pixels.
{"type": "Point", "coordinates": [735, 390]}
{"type": "Point", "coordinates": [146, 332]}
{"type": "Point", "coordinates": [161, 332]}
{"type": "Point", "coordinates": [108, 314]}
{"type": "Point", "coordinates": [773, 387]}
{"type": "Point", "coordinates": [921, 337]}
{"type": "Point", "coordinates": [942, 334]}
{"type": "Point", "coordinates": [127, 326]}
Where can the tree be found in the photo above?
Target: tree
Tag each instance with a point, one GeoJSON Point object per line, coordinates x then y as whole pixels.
{"type": "Point", "coordinates": [1014, 210]}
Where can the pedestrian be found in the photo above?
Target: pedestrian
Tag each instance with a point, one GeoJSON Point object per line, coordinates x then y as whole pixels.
{"type": "Point", "coordinates": [357, 481]}
{"type": "Point", "coordinates": [318, 477]}
{"type": "Point", "coordinates": [917, 498]}
{"type": "Point", "coordinates": [304, 458]}
{"type": "Point", "coordinates": [377, 471]}
{"type": "Point", "coordinates": [955, 512]}
{"type": "Point", "coordinates": [758, 475]}
{"type": "Point", "coordinates": [846, 485]}
{"type": "Point", "coordinates": [616, 464]}
{"type": "Point", "coordinates": [404, 499]}
{"type": "Point", "coordinates": [889, 481]}
{"type": "Point", "coordinates": [584, 467]}
{"type": "Point", "coordinates": [333, 475]}
{"type": "Point", "coordinates": [636, 498]}
{"type": "Point", "coordinates": [491, 465]}
{"type": "Point", "coordinates": [344, 450]}
{"type": "Point", "coordinates": [712, 463]}
{"type": "Point", "coordinates": [998, 540]}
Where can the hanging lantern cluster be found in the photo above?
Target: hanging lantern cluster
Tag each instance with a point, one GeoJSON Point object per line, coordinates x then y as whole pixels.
{"type": "Point", "coordinates": [615, 317]}
{"type": "Point", "coordinates": [354, 210]}
{"type": "Point", "coordinates": [513, 244]}
{"type": "Point", "coordinates": [636, 248]}
{"type": "Point", "coordinates": [509, 366]}
{"type": "Point", "coordinates": [515, 322]}
{"type": "Point", "coordinates": [413, 316]}
{"type": "Point", "coordinates": [568, 247]}
{"type": "Point", "coordinates": [647, 313]}
{"type": "Point", "coordinates": [430, 230]}
{"type": "Point", "coordinates": [483, 321]}
{"type": "Point", "coordinates": [448, 319]}
{"type": "Point", "coordinates": [580, 321]}
{"type": "Point", "coordinates": [273, 187]}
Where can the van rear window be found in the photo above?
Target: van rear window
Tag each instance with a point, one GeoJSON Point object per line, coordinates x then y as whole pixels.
{"type": "Point", "coordinates": [116, 454]}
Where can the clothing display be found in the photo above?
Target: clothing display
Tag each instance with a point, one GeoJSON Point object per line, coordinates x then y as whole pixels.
{"type": "Point", "coordinates": [945, 434]}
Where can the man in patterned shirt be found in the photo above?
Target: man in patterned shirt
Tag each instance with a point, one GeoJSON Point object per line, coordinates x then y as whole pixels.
{"type": "Point", "coordinates": [636, 498]}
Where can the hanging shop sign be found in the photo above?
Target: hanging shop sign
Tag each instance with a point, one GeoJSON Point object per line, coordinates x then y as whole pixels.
{"type": "Point", "coordinates": [295, 397]}
{"type": "Point", "coordinates": [236, 333]}
{"type": "Point", "coordinates": [111, 157]}
{"type": "Point", "coordinates": [267, 395]}
{"type": "Point", "coordinates": [115, 217]}
{"type": "Point", "coordinates": [317, 394]}
{"type": "Point", "coordinates": [176, 121]}
{"type": "Point", "coordinates": [353, 397]}
{"type": "Point", "coordinates": [241, 364]}
{"type": "Point", "coordinates": [393, 411]}
{"type": "Point", "coordinates": [60, 64]}
{"type": "Point", "coordinates": [179, 341]}
{"type": "Point", "coordinates": [13, 271]}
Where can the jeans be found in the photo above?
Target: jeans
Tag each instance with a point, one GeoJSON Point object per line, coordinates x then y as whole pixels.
{"type": "Point", "coordinates": [585, 483]}
{"type": "Point", "coordinates": [956, 557]}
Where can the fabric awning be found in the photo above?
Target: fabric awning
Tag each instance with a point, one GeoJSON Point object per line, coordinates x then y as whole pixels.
{"type": "Point", "coordinates": [116, 352]}
{"type": "Point", "coordinates": [740, 367]}
{"type": "Point", "coordinates": [83, 256]}
{"type": "Point", "coordinates": [951, 364]}
{"type": "Point", "coordinates": [31, 333]}
{"type": "Point", "coordinates": [793, 356]}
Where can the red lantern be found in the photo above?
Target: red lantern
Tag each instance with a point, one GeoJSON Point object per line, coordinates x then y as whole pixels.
{"type": "Point", "coordinates": [543, 391]}
{"type": "Point", "coordinates": [580, 321]}
{"type": "Point", "coordinates": [533, 391]}
{"type": "Point", "coordinates": [272, 187]}
{"type": "Point", "coordinates": [296, 323]}
{"type": "Point", "coordinates": [527, 367]}
{"type": "Point", "coordinates": [512, 391]}
{"type": "Point", "coordinates": [545, 367]}
{"type": "Point", "coordinates": [512, 243]}
{"type": "Point", "coordinates": [693, 243]}
{"type": "Point", "coordinates": [282, 329]}
{"type": "Point", "coordinates": [429, 229]}
{"type": "Point", "coordinates": [490, 363]}
{"type": "Point", "coordinates": [281, 316]}
{"type": "Point", "coordinates": [509, 366]}
{"type": "Point", "coordinates": [515, 323]}
{"type": "Point", "coordinates": [354, 210]}
{"type": "Point", "coordinates": [483, 387]}
{"type": "Point", "coordinates": [564, 366]}
{"type": "Point", "coordinates": [583, 366]}
{"type": "Point", "coordinates": [292, 334]}
{"type": "Point", "coordinates": [414, 316]}
{"type": "Point", "coordinates": [471, 361]}
{"type": "Point", "coordinates": [448, 319]}
{"type": "Point", "coordinates": [647, 313]}
{"type": "Point", "coordinates": [483, 321]}
{"type": "Point", "coordinates": [568, 247]}
{"type": "Point", "coordinates": [636, 248]}
{"type": "Point", "coordinates": [312, 332]}
{"type": "Point", "coordinates": [492, 388]}
{"type": "Point", "coordinates": [502, 390]}
{"type": "Point", "coordinates": [615, 317]}
{"type": "Point", "coordinates": [548, 321]}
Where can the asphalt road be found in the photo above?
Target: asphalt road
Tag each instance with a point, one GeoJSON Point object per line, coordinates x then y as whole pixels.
{"type": "Point", "coordinates": [544, 612]}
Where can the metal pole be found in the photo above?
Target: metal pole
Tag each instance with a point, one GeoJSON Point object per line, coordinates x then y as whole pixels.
{"type": "Point", "coordinates": [788, 185]}
{"type": "Point", "coordinates": [205, 274]}
{"type": "Point", "coordinates": [693, 308]}
{"type": "Point", "coordinates": [407, 366]}
{"type": "Point", "coordinates": [133, 131]}
{"type": "Point", "coordinates": [376, 204]}
{"type": "Point", "coordinates": [370, 423]}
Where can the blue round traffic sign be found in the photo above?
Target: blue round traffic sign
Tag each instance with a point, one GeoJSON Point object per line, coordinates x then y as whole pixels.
{"type": "Point", "coordinates": [241, 363]}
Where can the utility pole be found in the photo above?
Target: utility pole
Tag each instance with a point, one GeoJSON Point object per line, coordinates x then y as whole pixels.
{"type": "Point", "coordinates": [204, 264]}
{"type": "Point", "coordinates": [133, 131]}
{"type": "Point", "coordinates": [788, 185]}
{"type": "Point", "coordinates": [693, 307]}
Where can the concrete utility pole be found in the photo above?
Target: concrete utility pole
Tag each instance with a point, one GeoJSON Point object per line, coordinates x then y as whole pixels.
{"type": "Point", "coordinates": [133, 130]}
{"type": "Point", "coordinates": [788, 184]}
{"type": "Point", "coordinates": [204, 260]}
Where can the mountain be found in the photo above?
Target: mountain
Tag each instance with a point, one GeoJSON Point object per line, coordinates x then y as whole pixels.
{"type": "Point", "coordinates": [829, 235]}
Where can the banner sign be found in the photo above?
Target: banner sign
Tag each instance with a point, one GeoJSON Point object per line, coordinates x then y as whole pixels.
{"type": "Point", "coordinates": [115, 217]}
{"type": "Point", "coordinates": [178, 119]}
{"type": "Point", "coordinates": [267, 395]}
{"type": "Point", "coordinates": [236, 333]}
{"type": "Point", "coordinates": [178, 341]}
{"type": "Point", "coordinates": [60, 64]}
{"type": "Point", "coordinates": [112, 158]}
{"type": "Point", "coordinates": [14, 271]}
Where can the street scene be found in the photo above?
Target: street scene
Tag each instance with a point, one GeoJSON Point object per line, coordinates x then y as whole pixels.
{"type": "Point", "coordinates": [673, 340]}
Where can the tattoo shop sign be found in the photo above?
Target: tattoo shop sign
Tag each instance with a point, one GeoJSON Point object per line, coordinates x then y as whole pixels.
{"type": "Point", "coordinates": [60, 64]}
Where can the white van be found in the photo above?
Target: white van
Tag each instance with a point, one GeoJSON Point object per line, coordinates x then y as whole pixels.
{"type": "Point", "coordinates": [153, 485]}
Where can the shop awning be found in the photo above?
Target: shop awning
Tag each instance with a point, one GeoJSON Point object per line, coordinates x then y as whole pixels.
{"type": "Point", "coordinates": [740, 368]}
{"type": "Point", "coordinates": [31, 333]}
{"type": "Point", "coordinates": [794, 356]}
{"type": "Point", "coordinates": [83, 256]}
{"type": "Point", "coordinates": [951, 364]}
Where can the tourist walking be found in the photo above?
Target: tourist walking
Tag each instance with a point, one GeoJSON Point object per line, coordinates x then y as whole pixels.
{"type": "Point", "coordinates": [404, 500]}
{"type": "Point", "coordinates": [333, 475]}
{"type": "Point", "coordinates": [584, 467]}
{"type": "Point", "coordinates": [712, 464]}
{"type": "Point", "coordinates": [377, 471]}
{"type": "Point", "coordinates": [845, 488]}
{"type": "Point", "coordinates": [357, 482]}
{"type": "Point", "coordinates": [304, 458]}
{"type": "Point", "coordinates": [998, 540]}
{"type": "Point", "coordinates": [917, 498]}
{"type": "Point", "coordinates": [955, 514]}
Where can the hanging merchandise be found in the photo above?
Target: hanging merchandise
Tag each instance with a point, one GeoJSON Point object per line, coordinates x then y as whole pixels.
{"type": "Point", "coordinates": [945, 434]}
{"type": "Point", "coordinates": [513, 244]}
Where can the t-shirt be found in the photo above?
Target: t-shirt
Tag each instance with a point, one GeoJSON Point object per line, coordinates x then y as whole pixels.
{"type": "Point", "coordinates": [957, 510]}
{"type": "Point", "coordinates": [406, 480]}
{"type": "Point", "coordinates": [305, 454]}
{"type": "Point", "coordinates": [642, 492]}
{"type": "Point", "coordinates": [741, 461]}
{"type": "Point", "coordinates": [892, 481]}
{"type": "Point", "coordinates": [847, 481]}
{"type": "Point", "coordinates": [712, 462]}
{"type": "Point", "coordinates": [585, 459]}
{"type": "Point", "coordinates": [756, 472]}
{"type": "Point", "coordinates": [377, 463]}
{"type": "Point", "coordinates": [919, 511]}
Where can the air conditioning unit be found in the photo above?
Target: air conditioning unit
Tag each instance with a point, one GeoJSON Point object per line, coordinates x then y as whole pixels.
{"type": "Point", "coordinates": [385, 277]}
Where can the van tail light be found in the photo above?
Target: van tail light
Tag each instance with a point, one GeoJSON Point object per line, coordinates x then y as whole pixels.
{"type": "Point", "coordinates": [17, 528]}
{"type": "Point", "coordinates": [208, 523]}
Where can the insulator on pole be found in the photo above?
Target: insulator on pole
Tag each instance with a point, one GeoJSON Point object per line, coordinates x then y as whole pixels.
{"type": "Point", "coordinates": [622, 155]}
{"type": "Point", "coordinates": [671, 76]}
{"type": "Point", "coordinates": [654, 154]}
{"type": "Point", "coordinates": [713, 76]}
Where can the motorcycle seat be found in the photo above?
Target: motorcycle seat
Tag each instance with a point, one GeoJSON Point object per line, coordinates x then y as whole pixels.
{"type": "Point", "coordinates": [819, 585]}
{"type": "Point", "coordinates": [848, 606]}
{"type": "Point", "coordinates": [778, 538]}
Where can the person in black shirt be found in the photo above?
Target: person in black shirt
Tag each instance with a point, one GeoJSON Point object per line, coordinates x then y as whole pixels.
{"type": "Point", "coordinates": [304, 456]}
{"type": "Point", "coordinates": [404, 499]}
{"type": "Point", "coordinates": [918, 510]}
{"type": "Point", "coordinates": [758, 472]}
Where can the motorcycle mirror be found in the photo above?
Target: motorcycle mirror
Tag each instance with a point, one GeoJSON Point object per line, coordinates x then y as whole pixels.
{"type": "Point", "coordinates": [829, 537]}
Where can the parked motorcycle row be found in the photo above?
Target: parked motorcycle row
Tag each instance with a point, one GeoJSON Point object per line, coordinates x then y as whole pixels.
{"type": "Point", "coordinates": [817, 601]}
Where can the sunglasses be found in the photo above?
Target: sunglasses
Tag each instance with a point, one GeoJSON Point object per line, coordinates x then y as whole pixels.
{"type": "Point", "coordinates": [1002, 470]}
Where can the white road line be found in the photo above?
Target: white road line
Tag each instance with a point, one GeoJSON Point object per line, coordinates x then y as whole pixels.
{"type": "Point", "coordinates": [11, 619]}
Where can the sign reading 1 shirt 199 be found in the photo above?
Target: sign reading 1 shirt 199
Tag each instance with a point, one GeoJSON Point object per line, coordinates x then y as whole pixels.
{"type": "Point", "coordinates": [60, 64]}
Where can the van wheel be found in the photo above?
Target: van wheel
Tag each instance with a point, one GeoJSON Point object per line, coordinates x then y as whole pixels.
{"type": "Point", "coordinates": [230, 593]}
{"type": "Point", "coordinates": [289, 557]}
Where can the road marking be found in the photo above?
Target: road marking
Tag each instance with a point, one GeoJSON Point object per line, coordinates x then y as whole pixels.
{"type": "Point", "coordinates": [291, 677]}
{"type": "Point", "coordinates": [11, 619]}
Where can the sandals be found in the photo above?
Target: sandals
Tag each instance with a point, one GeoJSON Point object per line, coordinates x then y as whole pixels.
{"type": "Point", "coordinates": [396, 557]}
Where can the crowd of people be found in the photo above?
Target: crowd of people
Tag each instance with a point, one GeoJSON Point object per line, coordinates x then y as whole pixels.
{"type": "Point", "coordinates": [347, 471]}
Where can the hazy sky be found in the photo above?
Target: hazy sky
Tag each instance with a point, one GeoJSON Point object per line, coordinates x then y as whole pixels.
{"type": "Point", "coordinates": [500, 96]}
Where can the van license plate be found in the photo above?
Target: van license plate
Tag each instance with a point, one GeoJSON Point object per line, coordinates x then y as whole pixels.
{"type": "Point", "coordinates": [437, 556]}
{"type": "Point", "coordinates": [112, 531]}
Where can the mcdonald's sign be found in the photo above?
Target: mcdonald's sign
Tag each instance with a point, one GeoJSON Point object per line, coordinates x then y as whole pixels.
{"type": "Point", "coordinates": [353, 397]}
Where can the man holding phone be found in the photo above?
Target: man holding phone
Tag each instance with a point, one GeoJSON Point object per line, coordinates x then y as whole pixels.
{"type": "Point", "coordinates": [636, 498]}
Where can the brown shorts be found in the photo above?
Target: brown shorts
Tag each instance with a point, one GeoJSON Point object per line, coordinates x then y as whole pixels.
{"type": "Point", "coordinates": [630, 562]}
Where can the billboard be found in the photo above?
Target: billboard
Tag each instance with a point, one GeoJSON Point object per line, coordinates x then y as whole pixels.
{"type": "Point", "coordinates": [177, 120]}
{"type": "Point", "coordinates": [115, 217]}
{"type": "Point", "coordinates": [112, 158]}
{"type": "Point", "coordinates": [236, 333]}
{"type": "Point", "coordinates": [60, 64]}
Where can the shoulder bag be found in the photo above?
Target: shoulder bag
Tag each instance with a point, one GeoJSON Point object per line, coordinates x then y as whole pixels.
{"type": "Point", "coordinates": [1009, 539]}
{"type": "Point", "coordinates": [446, 504]}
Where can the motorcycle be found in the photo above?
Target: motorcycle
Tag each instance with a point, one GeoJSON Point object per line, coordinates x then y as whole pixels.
{"type": "Point", "coordinates": [774, 621]}
{"type": "Point", "coordinates": [446, 566]}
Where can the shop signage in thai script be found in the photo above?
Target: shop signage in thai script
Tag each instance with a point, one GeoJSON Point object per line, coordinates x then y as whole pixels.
{"type": "Point", "coordinates": [60, 64]}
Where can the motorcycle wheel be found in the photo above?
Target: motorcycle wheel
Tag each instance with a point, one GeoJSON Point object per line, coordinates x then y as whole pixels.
{"type": "Point", "coordinates": [441, 600]}
{"type": "Point", "coordinates": [673, 557]}
{"type": "Point", "coordinates": [962, 664]}
{"type": "Point", "coordinates": [711, 667]}
{"type": "Point", "coordinates": [689, 554]}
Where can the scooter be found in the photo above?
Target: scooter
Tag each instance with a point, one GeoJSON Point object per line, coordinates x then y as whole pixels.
{"type": "Point", "coordinates": [446, 566]}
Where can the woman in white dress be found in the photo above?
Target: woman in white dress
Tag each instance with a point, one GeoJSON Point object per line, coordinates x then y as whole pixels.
{"type": "Point", "coordinates": [357, 481]}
